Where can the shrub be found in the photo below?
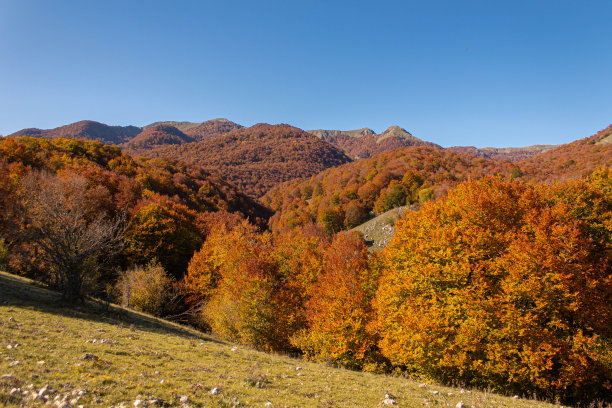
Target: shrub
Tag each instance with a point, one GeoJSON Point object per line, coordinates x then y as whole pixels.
{"type": "Point", "coordinates": [148, 289]}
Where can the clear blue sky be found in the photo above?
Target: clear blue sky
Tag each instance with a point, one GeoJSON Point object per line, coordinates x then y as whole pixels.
{"type": "Point", "coordinates": [483, 73]}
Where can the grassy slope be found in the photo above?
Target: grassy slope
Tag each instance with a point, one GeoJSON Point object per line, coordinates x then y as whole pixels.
{"type": "Point", "coordinates": [140, 351]}
{"type": "Point", "coordinates": [378, 231]}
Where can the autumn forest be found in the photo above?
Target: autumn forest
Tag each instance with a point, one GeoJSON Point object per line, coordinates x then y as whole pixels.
{"type": "Point", "coordinates": [498, 274]}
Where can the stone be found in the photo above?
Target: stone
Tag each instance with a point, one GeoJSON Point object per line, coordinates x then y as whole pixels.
{"type": "Point", "coordinates": [435, 392]}
{"type": "Point", "coordinates": [389, 401]}
{"type": "Point", "coordinates": [44, 391]}
{"type": "Point", "coordinates": [14, 363]}
{"type": "Point", "coordinates": [89, 356]}
{"type": "Point", "coordinates": [423, 385]}
{"type": "Point", "coordinates": [183, 399]}
{"type": "Point", "coordinates": [214, 391]}
{"type": "Point", "coordinates": [460, 404]}
{"type": "Point", "coordinates": [11, 380]}
{"type": "Point", "coordinates": [137, 403]}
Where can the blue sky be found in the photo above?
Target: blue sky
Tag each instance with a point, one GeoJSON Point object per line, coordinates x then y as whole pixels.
{"type": "Point", "coordinates": [483, 73]}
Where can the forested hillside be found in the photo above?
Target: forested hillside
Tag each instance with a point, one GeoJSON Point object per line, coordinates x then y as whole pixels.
{"type": "Point", "coordinates": [155, 136]}
{"type": "Point", "coordinates": [571, 160]}
{"type": "Point", "coordinates": [85, 129]}
{"type": "Point", "coordinates": [343, 197]}
{"type": "Point", "coordinates": [257, 158]}
{"type": "Point", "coordinates": [166, 208]}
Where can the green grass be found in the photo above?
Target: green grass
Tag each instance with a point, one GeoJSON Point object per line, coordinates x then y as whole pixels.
{"type": "Point", "coordinates": [139, 352]}
{"type": "Point", "coordinates": [378, 231]}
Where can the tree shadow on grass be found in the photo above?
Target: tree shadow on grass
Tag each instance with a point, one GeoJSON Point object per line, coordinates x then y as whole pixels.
{"type": "Point", "coordinates": [18, 291]}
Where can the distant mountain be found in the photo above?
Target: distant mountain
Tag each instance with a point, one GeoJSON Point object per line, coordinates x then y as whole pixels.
{"type": "Point", "coordinates": [364, 143]}
{"type": "Point", "coordinates": [259, 157]}
{"type": "Point", "coordinates": [512, 154]}
{"type": "Point", "coordinates": [85, 129]}
{"type": "Point", "coordinates": [572, 160]}
{"type": "Point", "coordinates": [211, 129]}
{"type": "Point", "coordinates": [182, 126]}
{"type": "Point", "coordinates": [155, 136]}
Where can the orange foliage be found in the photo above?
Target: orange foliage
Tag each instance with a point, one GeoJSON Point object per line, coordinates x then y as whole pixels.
{"type": "Point", "coordinates": [339, 309]}
{"type": "Point", "coordinates": [390, 179]}
{"type": "Point", "coordinates": [504, 285]}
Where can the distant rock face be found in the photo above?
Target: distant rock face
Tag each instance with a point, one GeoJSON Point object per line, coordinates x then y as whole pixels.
{"type": "Point", "coordinates": [512, 154]}
{"type": "Point", "coordinates": [363, 143]}
{"type": "Point", "coordinates": [85, 129]}
{"type": "Point", "coordinates": [330, 134]}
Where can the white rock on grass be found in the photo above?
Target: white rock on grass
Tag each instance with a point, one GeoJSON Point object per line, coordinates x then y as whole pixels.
{"type": "Point", "coordinates": [460, 405]}
{"type": "Point", "coordinates": [389, 401]}
{"type": "Point", "coordinates": [183, 399]}
{"type": "Point", "coordinates": [214, 391]}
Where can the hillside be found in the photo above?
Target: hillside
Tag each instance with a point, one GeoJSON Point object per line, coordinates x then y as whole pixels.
{"type": "Point", "coordinates": [182, 126]}
{"type": "Point", "coordinates": [570, 161]}
{"type": "Point", "coordinates": [257, 158]}
{"type": "Point", "coordinates": [85, 129]}
{"type": "Point", "coordinates": [512, 154]}
{"type": "Point", "coordinates": [168, 207]}
{"type": "Point", "coordinates": [154, 136]}
{"type": "Point", "coordinates": [99, 355]}
{"type": "Point", "coordinates": [212, 129]}
{"type": "Point", "coordinates": [364, 143]}
{"type": "Point", "coordinates": [343, 197]}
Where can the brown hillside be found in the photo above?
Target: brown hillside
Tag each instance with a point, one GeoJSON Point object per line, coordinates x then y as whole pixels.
{"type": "Point", "coordinates": [570, 161]}
{"type": "Point", "coordinates": [211, 129]}
{"type": "Point", "coordinates": [364, 143]}
{"type": "Point", "coordinates": [158, 135]}
{"type": "Point", "coordinates": [182, 126]}
{"type": "Point", "coordinates": [257, 158]}
{"type": "Point", "coordinates": [85, 129]}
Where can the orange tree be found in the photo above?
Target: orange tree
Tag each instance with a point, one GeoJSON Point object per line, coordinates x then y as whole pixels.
{"type": "Point", "coordinates": [339, 309]}
{"type": "Point", "coordinates": [504, 285]}
{"type": "Point", "coordinates": [250, 287]}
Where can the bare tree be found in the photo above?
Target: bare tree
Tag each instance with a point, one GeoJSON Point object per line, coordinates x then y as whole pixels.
{"type": "Point", "coordinates": [75, 241]}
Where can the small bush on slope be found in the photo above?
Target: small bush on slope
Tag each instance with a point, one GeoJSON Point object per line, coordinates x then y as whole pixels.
{"type": "Point", "coordinates": [148, 289]}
